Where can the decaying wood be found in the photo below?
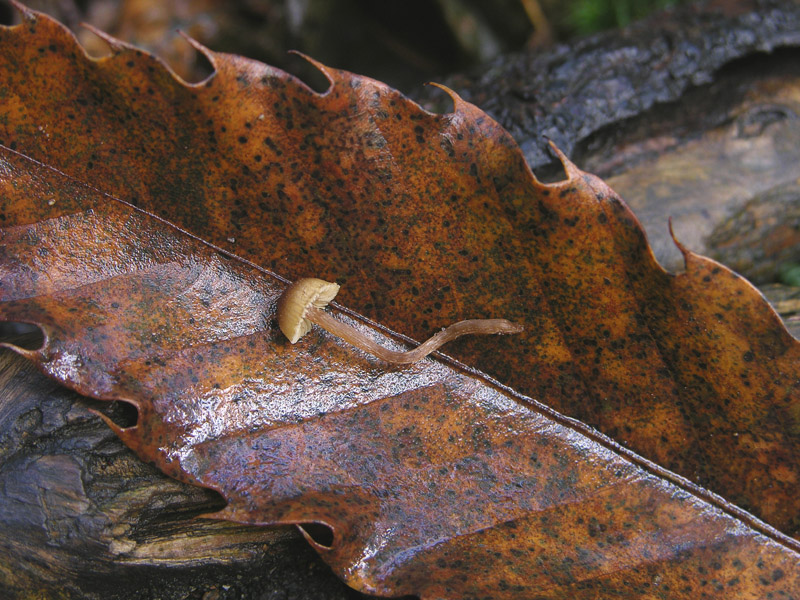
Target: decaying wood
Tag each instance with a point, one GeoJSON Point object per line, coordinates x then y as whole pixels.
{"type": "Point", "coordinates": [732, 192]}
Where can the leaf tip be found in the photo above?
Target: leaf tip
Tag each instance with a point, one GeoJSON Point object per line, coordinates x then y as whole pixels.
{"type": "Point", "coordinates": [116, 45]}
{"type": "Point", "coordinates": [24, 352]}
{"type": "Point", "coordinates": [29, 342]}
{"type": "Point", "coordinates": [25, 12]}
{"type": "Point", "coordinates": [458, 101]}
{"type": "Point", "coordinates": [226, 513]}
{"type": "Point", "coordinates": [204, 50]}
{"type": "Point", "coordinates": [126, 434]}
{"type": "Point", "coordinates": [571, 170]}
{"type": "Point", "coordinates": [318, 534]}
{"type": "Point", "coordinates": [324, 69]}
{"type": "Point", "coordinates": [687, 254]}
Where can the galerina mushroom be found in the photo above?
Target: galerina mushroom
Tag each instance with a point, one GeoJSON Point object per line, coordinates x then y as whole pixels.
{"type": "Point", "coordinates": [303, 302]}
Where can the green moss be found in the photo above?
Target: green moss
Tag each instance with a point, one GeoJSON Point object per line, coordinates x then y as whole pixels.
{"type": "Point", "coordinates": [587, 16]}
{"type": "Point", "coordinates": [789, 274]}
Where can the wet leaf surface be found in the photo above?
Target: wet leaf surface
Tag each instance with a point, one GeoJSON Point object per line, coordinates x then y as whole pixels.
{"type": "Point", "coordinates": [435, 480]}
{"type": "Point", "coordinates": [83, 517]}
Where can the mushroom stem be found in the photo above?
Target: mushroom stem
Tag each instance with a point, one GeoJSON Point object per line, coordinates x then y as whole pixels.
{"type": "Point", "coordinates": [359, 340]}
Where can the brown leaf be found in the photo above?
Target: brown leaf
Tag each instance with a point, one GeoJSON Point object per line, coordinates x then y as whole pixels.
{"type": "Point", "coordinates": [428, 219]}
{"type": "Point", "coordinates": [435, 480]}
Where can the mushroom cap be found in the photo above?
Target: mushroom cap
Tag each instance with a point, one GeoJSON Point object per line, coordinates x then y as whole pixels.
{"type": "Point", "coordinates": [295, 302]}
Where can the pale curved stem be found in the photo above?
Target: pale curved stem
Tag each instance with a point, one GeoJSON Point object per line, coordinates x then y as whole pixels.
{"type": "Point", "coordinates": [356, 338]}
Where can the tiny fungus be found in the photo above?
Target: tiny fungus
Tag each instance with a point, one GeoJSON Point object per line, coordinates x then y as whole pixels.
{"type": "Point", "coordinates": [303, 302]}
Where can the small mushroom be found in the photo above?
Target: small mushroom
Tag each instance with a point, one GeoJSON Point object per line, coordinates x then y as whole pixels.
{"type": "Point", "coordinates": [303, 302]}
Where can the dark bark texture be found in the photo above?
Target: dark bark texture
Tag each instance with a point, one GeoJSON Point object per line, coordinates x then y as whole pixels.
{"type": "Point", "coordinates": [570, 93]}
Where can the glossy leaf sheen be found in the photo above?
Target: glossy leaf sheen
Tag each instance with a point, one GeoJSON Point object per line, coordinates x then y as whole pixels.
{"type": "Point", "coordinates": [436, 480]}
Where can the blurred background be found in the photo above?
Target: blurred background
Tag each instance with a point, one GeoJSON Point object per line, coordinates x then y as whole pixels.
{"type": "Point", "coordinates": [401, 42]}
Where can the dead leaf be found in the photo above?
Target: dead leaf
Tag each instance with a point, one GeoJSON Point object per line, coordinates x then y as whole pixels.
{"type": "Point", "coordinates": [436, 480]}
